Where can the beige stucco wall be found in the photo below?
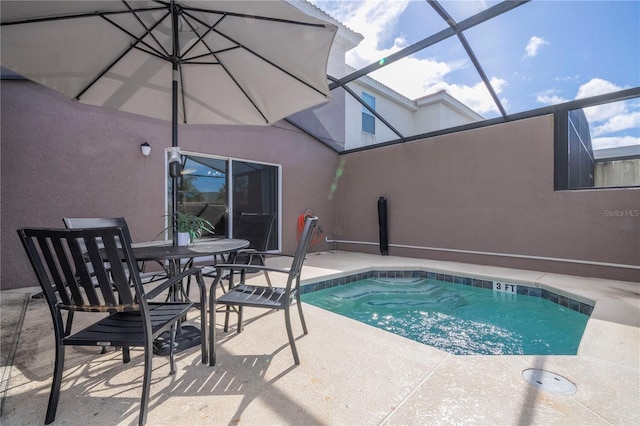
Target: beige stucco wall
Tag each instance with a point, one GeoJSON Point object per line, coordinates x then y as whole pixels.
{"type": "Point", "coordinates": [488, 190]}
{"type": "Point", "coordinates": [60, 158]}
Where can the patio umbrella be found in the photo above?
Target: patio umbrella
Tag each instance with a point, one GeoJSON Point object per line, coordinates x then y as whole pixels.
{"type": "Point", "coordinates": [199, 62]}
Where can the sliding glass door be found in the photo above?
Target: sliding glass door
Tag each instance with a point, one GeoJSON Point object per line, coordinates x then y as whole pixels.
{"type": "Point", "coordinates": [221, 189]}
{"type": "Point", "coordinates": [256, 190]}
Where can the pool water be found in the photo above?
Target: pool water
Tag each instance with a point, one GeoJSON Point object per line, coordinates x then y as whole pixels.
{"type": "Point", "coordinates": [459, 319]}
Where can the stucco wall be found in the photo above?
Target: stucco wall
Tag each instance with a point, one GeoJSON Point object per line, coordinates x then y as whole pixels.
{"type": "Point", "coordinates": [488, 190]}
{"type": "Point", "coordinates": [617, 173]}
{"type": "Point", "coordinates": [60, 158]}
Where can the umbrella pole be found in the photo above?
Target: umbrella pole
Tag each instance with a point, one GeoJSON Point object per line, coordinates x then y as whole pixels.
{"type": "Point", "coordinates": [174, 143]}
{"type": "Point", "coordinates": [174, 119]}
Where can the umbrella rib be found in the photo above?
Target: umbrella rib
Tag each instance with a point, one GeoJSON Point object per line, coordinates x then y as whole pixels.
{"type": "Point", "coordinates": [192, 59]}
{"type": "Point", "coordinates": [184, 104]}
{"type": "Point", "coordinates": [154, 52]}
{"type": "Point", "coordinates": [139, 39]}
{"type": "Point", "coordinates": [270, 63]}
{"type": "Point", "coordinates": [149, 31]}
{"type": "Point", "coordinates": [243, 91]}
{"type": "Point", "coordinates": [200, 37]}
{"type": "Point", "coordinates": [257, 17]}
{"type": "Point", "coordinates": [102, 73]}
{"type": "Point", "coordinates": [77, 16]}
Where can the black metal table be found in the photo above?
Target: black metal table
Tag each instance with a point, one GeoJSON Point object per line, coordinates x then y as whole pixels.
{"type": "Point", "coordinates": [176, 256]}
{"type": "Point", "coordinates": [166, 251]}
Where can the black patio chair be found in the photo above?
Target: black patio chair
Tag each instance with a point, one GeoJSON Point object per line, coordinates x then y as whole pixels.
{"type": "Point", "coordinates": [255, 228]}
{"type": "Point", "coordinates": [105, 222]}
{"type": "Point", "coordinates": [134, 320]}
{"type": "Point", "coordinates": [265, 296]}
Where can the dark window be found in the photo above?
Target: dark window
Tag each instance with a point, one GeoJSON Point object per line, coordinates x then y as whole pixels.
{"type": "Point", "coordinates": [368, 120]}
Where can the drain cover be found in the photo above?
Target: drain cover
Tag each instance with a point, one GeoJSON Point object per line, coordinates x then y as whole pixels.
{"type": "Point", "coordinates": [549, 382]}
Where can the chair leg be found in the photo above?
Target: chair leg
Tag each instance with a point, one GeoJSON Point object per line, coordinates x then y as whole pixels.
{"type": "Point", "coordinates": [304, 323]}
{"type": "Point", "coordinates": [188, 287]}
{"type": "Point", "coordinates": [172, 340]}
{"type": "Point", "coordinates": [212, 326]}
{"type": "Point", "coordinates": [239, 327]}
{"type": "Point", "coordinates": [146, 382]}
{"type": "Point", "coordinates": [226, 318]}
{"type": "Point", "coordinates": [292, 342]}
{"type": "Point", "coordinates": [67, 327]}
{"type": "Point", "coordinates": [228, 307]}
{"type": "Point", "coordinates": [266, 277]}
{"type": "Point", "coordinates": [126, 355]}
{"type": "Point", "coordinates": [203, 318]}
{"type": "Point", "coordinates": [54, 395]}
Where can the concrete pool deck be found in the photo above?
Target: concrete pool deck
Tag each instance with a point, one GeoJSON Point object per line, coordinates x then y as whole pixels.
{"type": "Point", "coordinates": [350, 373]}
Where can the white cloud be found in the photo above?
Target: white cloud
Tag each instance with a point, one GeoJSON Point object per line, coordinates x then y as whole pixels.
{"type": "Point", "coordinates": [549, 97]}
{"type": "Point", "coordinates": [572, 78]}
{"type": "Point", "coordinates": [596, 86]}
{"type": "Point", "coordinates": [617, 123]}
{"type": "Point", "coordinates": [422, 76]}
{"type": "Point", "coordinates": [608, 119]}
{"type": "Point", "coordinates": [477, 97]}
{"type": "Point", "coordinates": [418, 76]}
{"type": "Point", "coordinates": [374, 20]}
{"type": "Point", "coordinates": [597, 114]}
{"type": "Point", "coordinates": [534, 45]}
{"type": "Point", "coordinates": [614, 142]}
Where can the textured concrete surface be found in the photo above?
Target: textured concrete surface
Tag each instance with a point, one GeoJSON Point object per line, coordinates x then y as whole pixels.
{"type": "Point", "coordinates": [350, 373]}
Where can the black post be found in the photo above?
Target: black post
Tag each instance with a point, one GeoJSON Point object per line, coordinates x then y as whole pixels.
{"type": "Point", "coordinates": [382, 222]}
{"type": "Point", "coordinates": [174, 119]}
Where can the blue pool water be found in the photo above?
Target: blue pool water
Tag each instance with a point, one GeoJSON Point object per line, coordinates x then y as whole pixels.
{"type": "Point", "coordinates": [459, 319]}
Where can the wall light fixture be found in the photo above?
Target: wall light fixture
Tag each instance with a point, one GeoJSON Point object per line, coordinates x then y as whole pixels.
{"type": "Point", "coordinates": [146, 149]}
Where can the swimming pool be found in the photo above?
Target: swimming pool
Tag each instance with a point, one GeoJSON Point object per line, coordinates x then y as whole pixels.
{"type": "Point", "coordinates": [460, 315]}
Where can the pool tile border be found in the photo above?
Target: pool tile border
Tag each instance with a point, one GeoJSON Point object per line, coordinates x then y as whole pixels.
{"type": "Point", "coordinates": [564, 301]}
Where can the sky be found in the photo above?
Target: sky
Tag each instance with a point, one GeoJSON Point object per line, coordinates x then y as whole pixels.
{"type": "Point", "coordinates": [542, 53]}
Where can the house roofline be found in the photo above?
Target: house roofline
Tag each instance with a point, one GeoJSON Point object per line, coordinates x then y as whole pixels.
{"type": "Point", "coordinates": [350, 36]}
{"type": "Point", "coordinates": [443, 96]}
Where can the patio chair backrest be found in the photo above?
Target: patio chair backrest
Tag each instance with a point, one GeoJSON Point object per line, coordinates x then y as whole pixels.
{"type": "Point", "coordinates": [91, 269]}
{"type": "Point", "coordinates": [93, 222]}
{"type": "Point", "coordinates": [303, 246]}
{"type": "Point", "coordinates": [256, 228]}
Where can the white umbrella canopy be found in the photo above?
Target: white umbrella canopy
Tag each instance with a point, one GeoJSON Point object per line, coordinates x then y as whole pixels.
{"type": "Point", "coordinates": [235, 62]}
{"type": "Point", "coordinates": [198, 62]}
